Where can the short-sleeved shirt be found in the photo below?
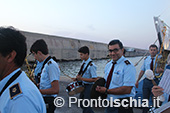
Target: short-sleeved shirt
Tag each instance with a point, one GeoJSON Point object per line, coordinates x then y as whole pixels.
{"type": "Point", "coordinates": [90, 72]}
{"type": "Point", "coordinates": [146, 64]}
{"type": "Point", "coordinates": [26, 98]}
{"type": "Point", "coordinates": [49, 73]}
{"type": "Point", "coordinates": [38, 68]}
{"type": "Point", "coordinates": [123, 75]}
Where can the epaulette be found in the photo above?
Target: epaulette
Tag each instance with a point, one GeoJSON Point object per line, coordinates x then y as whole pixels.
{"type": "Point", "coordinates": [15, 90]}
{"type": "Point", "coordinates": [145, 58]}
{"type": "Point", "coordinates": [127, 62]}
{"type": "Point", "coordinates": [49, 62]}
{"type": "Point", "coordinates": [108, 61]}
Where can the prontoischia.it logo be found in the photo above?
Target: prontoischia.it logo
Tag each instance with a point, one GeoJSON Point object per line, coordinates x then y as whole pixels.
{"type": "Point", "coordinates": [59, 102]}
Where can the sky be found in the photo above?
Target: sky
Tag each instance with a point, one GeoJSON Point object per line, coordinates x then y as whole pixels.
{"type": "Point", "coordinates": [130, 21]}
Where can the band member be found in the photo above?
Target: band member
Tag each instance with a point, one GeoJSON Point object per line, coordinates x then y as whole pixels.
{"type": "Point", "coordinates": [87, 74]}
{"type": "Point", "coordinates": [149, 63]}
{"type": "Point", "coordinates": [120, 78]}
{"type": "Point", "coordinates": [17, 93]}
{"type": "Point", "coordinates": [50, 73]}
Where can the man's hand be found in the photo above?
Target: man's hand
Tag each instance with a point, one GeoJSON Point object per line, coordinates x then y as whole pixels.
{"type": "Point", "coordinates": [160, 70]}
{"type": "Point", "coordinates": [79, 78]}
{"type": "Point", "coordinates": [101, 89]}
{"type": "Point", "coordinates": [157, 91]}
{"type": "Point", "coordinates": [136, 84]}
{"type": "Point", "coordinates": [74, 79]}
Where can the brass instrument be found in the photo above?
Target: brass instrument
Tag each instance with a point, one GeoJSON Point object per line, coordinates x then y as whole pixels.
{"type": "Point", "coordinates": [163, 54]}
{"type": "Point", "coordinates": [30, 72]}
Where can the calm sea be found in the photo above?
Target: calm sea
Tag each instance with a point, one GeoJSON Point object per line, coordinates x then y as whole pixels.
{"type": "Point", "coordinates": [71, 68]}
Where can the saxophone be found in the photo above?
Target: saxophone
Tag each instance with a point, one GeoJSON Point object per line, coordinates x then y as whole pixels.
{"type": "Point", "coordinates": [30, 73]}
{"type": "Point", "coordinates": [163, 54]}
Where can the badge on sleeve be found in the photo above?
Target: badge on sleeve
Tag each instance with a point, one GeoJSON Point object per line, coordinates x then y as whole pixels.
{"type": "Point", "coordinates": [127, 62]}
{"type": "Point", "coordinates": [49, 62]}
{"type": "Point", "coordinates": [15, 90]}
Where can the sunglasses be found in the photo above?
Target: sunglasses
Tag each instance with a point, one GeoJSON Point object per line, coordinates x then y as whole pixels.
{"type": "Point", "coordinates": [114, 50]}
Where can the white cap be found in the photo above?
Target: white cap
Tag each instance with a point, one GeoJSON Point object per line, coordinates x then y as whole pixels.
{"type": "Point", "coordinates": [149, 74]}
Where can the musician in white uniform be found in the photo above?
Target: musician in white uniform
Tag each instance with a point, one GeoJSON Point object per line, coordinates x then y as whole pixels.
{"type": "Point", "coordinates": [87, 74]}
{"type": "Point", "coordinates": [17, 93]}
{"type": "Point", "coordinates": [149, 63]}
{"type": "Point", "coordinates": [50, 73]}
{"type": "Point", "coordinates": [120, 78]}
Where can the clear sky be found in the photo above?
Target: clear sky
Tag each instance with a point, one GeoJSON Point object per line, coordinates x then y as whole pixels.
{"type": "Point", "coordinates": [131, 21]}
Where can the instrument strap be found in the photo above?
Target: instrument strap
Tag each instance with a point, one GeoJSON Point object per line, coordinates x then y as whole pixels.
{"type": "Point", "coordinates": [46, 60]}
{"type": "Point", "coordinates": [86, 68]}
{"type": "Point", "coordinates": [15, 76]}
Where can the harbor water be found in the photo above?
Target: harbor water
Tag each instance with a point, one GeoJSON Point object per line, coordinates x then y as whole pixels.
{"type": "Point", "coordinates": [71, 68]}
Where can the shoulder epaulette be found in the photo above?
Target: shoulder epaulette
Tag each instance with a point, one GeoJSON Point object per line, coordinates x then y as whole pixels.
{"type": "Point", "coordinates": [145, 58]}
{"type": "Point", "coordinates": [49, 62]}
{"type": "Point", "coordinates": [108, 61]}
{"type": "Point", "coordinates": [127, 62]}
{"type": "Point", "coordinates": [15, 90]}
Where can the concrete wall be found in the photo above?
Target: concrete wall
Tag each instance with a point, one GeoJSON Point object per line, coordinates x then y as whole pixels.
{"type": "Point", "coordinates": [67, 48]}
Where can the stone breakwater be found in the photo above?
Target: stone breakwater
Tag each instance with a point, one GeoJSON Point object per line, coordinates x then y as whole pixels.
{"type": "Point", "coordinates": [66, 48]}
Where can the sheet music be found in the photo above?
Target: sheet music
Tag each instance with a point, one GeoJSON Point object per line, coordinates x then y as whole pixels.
{"type": "Point", "coordinates": [162, 108]}
{"type": "Point", "coordinates": [165, 81]}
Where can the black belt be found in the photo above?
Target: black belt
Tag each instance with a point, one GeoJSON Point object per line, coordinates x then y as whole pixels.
{"type": "Point", "coordinates": [153, 79]}
{"type": "Point", "coordinates": [87, 84]}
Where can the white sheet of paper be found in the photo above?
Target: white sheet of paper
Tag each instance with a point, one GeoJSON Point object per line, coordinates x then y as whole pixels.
{"type": "Point", "coordinates": [165, 81]}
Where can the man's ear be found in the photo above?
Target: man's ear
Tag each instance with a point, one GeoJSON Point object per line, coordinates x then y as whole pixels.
{"type": "Point", "coordinates": [123, 50]}
{"type": "Point", "coordinates": [11, 56]}
{"type": "Point", "coordinates": [39, 52]}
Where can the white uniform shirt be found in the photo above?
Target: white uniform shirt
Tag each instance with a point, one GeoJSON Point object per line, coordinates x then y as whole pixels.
{"type": "Point", "coordinates": [123, 75]}
{"type": "Point", "coordinates": [28, 100]}
{"type": "Point", "coordinates": [49, 73]}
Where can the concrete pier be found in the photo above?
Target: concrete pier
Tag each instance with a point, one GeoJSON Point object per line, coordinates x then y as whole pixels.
{"type": "Point", "coordinates": [66, 48]}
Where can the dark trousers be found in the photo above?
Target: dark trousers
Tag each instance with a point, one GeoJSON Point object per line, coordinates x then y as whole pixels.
{"type": "Point", "coordinates": [147, 91]}
{"type": "Point", "coordinates": [120, 109]}
{"type": "Point", "coordinates": [86, 95]}
{"type": "Point", "coordinates": [128, 109]}
{"type": "Point", "coordinates": [49, 101]}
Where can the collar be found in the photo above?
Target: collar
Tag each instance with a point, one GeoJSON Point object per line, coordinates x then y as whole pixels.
{"type": "Point", "coordinates": [4, 81]}
{"type": "Point", "coordinates": [87, 61]}
{"type": "Point", "coordinates": [153, 57]}
{"type": "Point", "coordinates": [119, 60]}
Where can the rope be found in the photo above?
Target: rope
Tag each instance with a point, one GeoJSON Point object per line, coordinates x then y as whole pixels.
{"type": "Point", "coordinates": [65, 74]}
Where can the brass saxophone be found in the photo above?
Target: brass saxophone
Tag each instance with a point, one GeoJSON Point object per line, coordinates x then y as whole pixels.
{"type": "Point", "coordinates": [161, 62]}
{"type": "Point", "coordinates": [30, 72]}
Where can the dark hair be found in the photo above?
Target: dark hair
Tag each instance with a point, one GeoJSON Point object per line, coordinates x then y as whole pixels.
{"type": "Point", "coordinates": [11, 39]}
{"type": "Point", "coordinates": [153, 45]}
{"type": "Point", "coordinates": [39, 45]}
{"type": "Point", "coordinates": [84, 50]}
{"type": "Point", "coordinates": [113, 42]}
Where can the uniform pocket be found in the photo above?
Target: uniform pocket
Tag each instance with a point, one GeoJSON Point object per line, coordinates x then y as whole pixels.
{"type": "Point", "coordinates": [117, 78]}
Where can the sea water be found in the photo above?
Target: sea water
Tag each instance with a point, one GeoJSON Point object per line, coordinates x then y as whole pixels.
{"type": "Point", "coordinates": [71, 68]}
